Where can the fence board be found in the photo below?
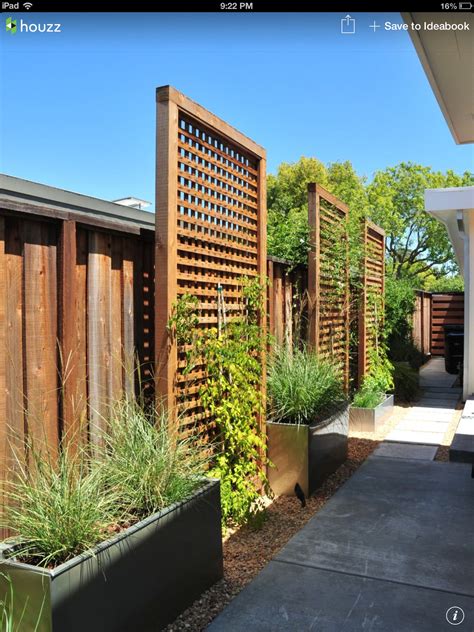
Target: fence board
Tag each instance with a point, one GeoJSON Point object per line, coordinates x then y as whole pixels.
{"type": "Point", "coordinates": [40, 322]}
{"type": "Point", "coordinates": [99, 332]}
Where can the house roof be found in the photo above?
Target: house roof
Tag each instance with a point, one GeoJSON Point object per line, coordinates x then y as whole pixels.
{"type": "Point", "coordinates": [17, 192]}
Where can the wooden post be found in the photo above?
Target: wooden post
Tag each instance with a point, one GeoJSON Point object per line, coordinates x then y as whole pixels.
{"type": "Point", "coordinates": [166, 247]}
{"type": "Point", "coordinates": [68, 310]}
{"type": "Point", "coordinates": [362, 334]}
{"type": "Point", "coordinates": [271, 299]}
{"type": "Point", "coordinates": [262, 271]}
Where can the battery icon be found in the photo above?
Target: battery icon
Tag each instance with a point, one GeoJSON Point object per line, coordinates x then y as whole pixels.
{"type": "Point", "coordinates": [465, 6]}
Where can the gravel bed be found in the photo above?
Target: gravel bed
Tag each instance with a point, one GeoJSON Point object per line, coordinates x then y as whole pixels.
{"type": "Point", "coordinates": [247, 551]}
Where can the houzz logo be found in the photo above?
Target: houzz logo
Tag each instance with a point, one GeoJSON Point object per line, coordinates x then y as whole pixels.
{"type": "Point", "coordinates": [28, 27]}
{"type": "Point", "coordinates": [10, 25]}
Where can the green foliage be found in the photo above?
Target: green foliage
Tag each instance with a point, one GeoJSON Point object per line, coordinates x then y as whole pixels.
{"type": "Point", "coordinates": [378, 381]}
{"type": "Point", "coordinates": [445, 284]}
{"type": "Point", "coordinates": [366, 398]}
{"type": "Point", "coordinates": [231, 393]}
{"type": "Point", "coordinates": [380, 375]}
{"type": "Point", "coordinates": [404, 350]}
{"type": "Point", "coordinates": [302, 387]}
{"type": "Point", "coordinates": [288, 230]}
{"type": "Point", "coordinates": [399, 307]}
{"type": "Point", "coordinates": [416, 242]}
{"type": "Point", "coordinates": [406, 382]}
{"type": "Point", "coordinates": [142, 464]}
{"type": "Point", "coordinates": [57, 510]}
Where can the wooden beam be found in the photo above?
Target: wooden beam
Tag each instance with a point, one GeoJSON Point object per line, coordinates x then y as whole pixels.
{"type": "Point", "coordinates": [166, 248]}
{"type": "Point", "coordinates": [71, 406]}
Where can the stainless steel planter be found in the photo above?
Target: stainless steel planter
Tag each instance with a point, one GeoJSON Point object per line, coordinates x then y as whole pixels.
{"type": "Point", "coordinates": [370, 419]}
{"type": "Point", "coordinates": [138, 581]}
{"type": "Point", "coordinates": [306, 454]}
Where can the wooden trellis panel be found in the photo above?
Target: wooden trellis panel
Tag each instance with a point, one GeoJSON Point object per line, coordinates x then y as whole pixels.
{"type": "Point", "coordinates": [328, 278]}
{"type": "Point", "coordinates": [210, 229]}
{"type": "Point", "coordinates": [371, 304]}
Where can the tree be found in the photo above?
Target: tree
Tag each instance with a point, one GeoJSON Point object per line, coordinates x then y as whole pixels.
{"type": "Point", "coordinates": [416, 243]}
{"type": "Point", "coordinates": [288, 231]}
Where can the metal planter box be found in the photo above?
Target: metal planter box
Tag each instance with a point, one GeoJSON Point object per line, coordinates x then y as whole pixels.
{"type": "Point", "coordinates": [139, 580]}
{"type": "Point", "coordinates": [370, 419]}
{"type": "Point", "coordinates": [306, 454]}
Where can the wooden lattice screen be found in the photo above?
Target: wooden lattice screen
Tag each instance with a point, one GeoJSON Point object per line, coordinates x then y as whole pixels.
{"type": "Point", "coordinates": [328, 278]}
{"type": "Point", "coordinates": [211, 230]}
{"type": "Point", "coordinates": [371, 304]}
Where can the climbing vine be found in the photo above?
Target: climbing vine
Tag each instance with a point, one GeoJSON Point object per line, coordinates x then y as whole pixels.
{"type": "Point", "coordinates": [232, 357]}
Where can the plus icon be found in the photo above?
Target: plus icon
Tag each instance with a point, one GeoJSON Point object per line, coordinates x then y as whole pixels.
{"type": "Point", "coordinates": [374, 26]}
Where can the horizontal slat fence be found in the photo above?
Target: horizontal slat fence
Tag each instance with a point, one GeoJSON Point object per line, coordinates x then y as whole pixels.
{"type": "Point", "coordinates": [76, 308]}
{"type": "Point", "coordinates": [446, 309]}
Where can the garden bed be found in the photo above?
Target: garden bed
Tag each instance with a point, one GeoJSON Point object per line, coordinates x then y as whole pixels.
{"type": "Point", "coordinates": [247, 551]}
{"type": "Point", "coordinates": [138, 580]}
{"type": "Point", "coordinates": [371, 419]}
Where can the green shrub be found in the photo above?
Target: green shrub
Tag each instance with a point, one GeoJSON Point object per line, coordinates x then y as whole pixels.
{"type": "Point", "coordinates": [302, 387]}
{"type": "Point", "coordinates": [445, 284]}
{"type": "Point", "coordinates": [57, 509]}
{"type": "Point", "coordinates": [406, 351]}
{"type": "Point", "coordinates": [366, 398]}
{"type": "Point", "coordinates": [406, 382]}
{"type": "Point", "coordinates": [399, 306]}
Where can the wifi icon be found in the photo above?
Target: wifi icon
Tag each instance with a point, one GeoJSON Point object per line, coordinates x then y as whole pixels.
{"type": "Point", "coordinates": [27, 5]}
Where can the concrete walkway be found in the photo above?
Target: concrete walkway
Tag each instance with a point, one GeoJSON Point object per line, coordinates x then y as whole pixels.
{"type": "Point", "coordinates": [428, 419]}
{"type": "Point", "coordinates": [391, 551]}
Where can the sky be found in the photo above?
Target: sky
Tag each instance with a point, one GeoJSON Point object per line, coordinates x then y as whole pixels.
{"type": "Point", "coordinates": [78, 107]}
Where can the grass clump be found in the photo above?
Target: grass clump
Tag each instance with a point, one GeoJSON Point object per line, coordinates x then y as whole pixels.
{"type": "Point", "coordinates": [56, 508]}
{"type": "Point", "coordinates": [365, 398]}
{"type": "Point", "coordinates": [302, 387]}
{"type": "Point", "coordinates": [143, 464]}
{"type": "Point", "coordinates": [60, 506]}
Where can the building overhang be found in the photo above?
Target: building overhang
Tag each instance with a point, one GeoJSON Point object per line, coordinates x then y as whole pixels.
{"type": "Point", "coordinates": [447, 57]}
{"type": "Point", "coordinates": [449, 206]}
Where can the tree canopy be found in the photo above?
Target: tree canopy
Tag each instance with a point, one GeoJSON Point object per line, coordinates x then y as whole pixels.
{"type": "Point", "coordinates": [417, 245]}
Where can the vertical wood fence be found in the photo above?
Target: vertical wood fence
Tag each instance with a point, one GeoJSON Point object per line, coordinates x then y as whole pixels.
{"type": "Point", "coordinates": [76, 305]}
{"type": "Point", "coordinates": [328, 277]}
{"type": "Point", "coordinates": [210, 231]}
{"type": "Point", "coordinates": [422, 322]}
